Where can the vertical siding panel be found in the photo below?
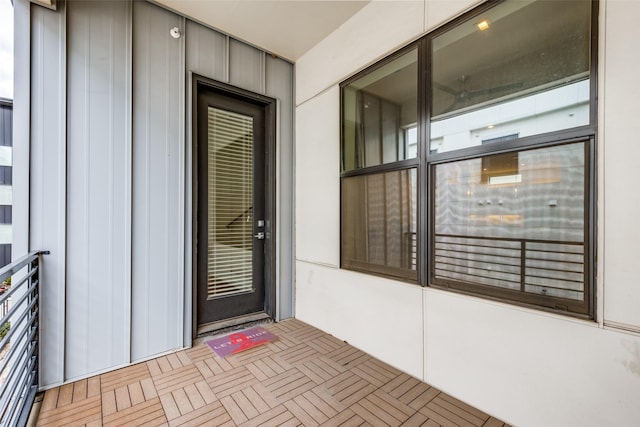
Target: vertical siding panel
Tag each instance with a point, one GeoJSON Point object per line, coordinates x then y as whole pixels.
{"type": "Point", "coordinates": [21, 126]}
{"type": "Point", "coordinates": [279, 85]}
{"type": "Point", "coordinates": [246, 66]}
{"type": "Point", "coordinates": [207, 54]}
{"type": "Point", "coordinates": [206, 51]}
{"type": "Point", "coordinates": [158, 182]}
{"type": "Point", "coordinates": [99, 186]}
{"type": "Point", "coordinates": [48, 179]}
{"type": "Point", "coordinates": [117, 239]}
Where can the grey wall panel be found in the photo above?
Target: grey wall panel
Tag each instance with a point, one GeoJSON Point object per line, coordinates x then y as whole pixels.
{"type": "Point", "coordinates": [158, 182]}
{"type": "Point", "coordinates": [279, 85]}
{"type": "Point", "coordinates": [207, 52]}
{"type": "Point", "coordinates": [21, 125]}
{"type": "Point", "coordinates": [98, 231]}
{"type": "Point", "coordinates": [47, 213]}
{"type": "Point", "coordinates": [246, 66]}
{"type": "Point", "coordinates": [107, 170]}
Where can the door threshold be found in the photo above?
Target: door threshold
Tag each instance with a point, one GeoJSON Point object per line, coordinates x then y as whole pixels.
{"type": "Point", "coordinates": [222, 326]}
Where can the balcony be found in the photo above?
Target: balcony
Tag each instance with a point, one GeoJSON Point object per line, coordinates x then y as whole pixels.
{"type": "Point", "coordinates": [306, 377]}
{"type": "Point", "coordinates": [19, 319]}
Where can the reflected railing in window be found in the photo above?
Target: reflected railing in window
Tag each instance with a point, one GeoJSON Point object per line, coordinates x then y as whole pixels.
{"type": "Point", "coordinates": [512, 225]}
{"type": "Point", "coordinates": [541, 267]}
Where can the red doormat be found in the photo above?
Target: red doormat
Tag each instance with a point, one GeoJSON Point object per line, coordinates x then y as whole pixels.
{"type": "Point", "coordinates": [240, 341]}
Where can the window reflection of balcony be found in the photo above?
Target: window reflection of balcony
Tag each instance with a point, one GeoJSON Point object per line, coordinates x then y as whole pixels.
{"type": "Point", "coordinates": [541, 267]}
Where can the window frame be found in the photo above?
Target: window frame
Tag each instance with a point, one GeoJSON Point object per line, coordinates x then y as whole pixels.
{"type": "Point", "coordinates": [413, 163]}
{"type": "Point", "coordinates": [545, 303]}
{"type": "Point", "coordinates": [383, 167]}
{"type": "Point", "coordinates": [426, 163]}
{"type": "Point", "coordinates": [377, 269]}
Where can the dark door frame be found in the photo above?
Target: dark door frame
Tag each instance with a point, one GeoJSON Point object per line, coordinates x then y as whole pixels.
{"type": "Point", "coordinates": [201, 83]}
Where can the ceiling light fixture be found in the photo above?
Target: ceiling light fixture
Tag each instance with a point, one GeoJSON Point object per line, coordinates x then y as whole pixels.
{"type": "Point", "coordinates": [483, 25]}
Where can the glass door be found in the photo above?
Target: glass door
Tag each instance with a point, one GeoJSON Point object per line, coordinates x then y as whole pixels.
{"type": "Point", "coordinates": [231, 207]}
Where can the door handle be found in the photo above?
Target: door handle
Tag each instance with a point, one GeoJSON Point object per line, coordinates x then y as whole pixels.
{"type": "Point", "coordinates": [259, 236]}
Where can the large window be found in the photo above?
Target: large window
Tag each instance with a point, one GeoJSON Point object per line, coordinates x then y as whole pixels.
{"type": "Point", "coordinates": [482, 181]}
{"type": "Point", "coordinates": [519, 236]}
{"type": "Point", "coordinates": [379, 163]}
{"type": "Point", "coordinates": [379, 110]}
{"type": "Point", "coordinates": [521, 67]}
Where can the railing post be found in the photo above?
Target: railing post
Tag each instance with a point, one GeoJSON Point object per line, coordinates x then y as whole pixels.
{"type": "Point", "coordinates": [523, 262]}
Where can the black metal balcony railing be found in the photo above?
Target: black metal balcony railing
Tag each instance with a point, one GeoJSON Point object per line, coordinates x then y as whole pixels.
{"type": "Point", "coordinates": [19, 345]}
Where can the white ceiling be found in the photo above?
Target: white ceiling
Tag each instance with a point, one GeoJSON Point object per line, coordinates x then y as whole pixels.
{"type": "Point", "coordinates": [286, 28]}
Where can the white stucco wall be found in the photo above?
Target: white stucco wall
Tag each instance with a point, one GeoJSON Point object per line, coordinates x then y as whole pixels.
{"type": "Point", "coordinates": [382, 25]}
{"type": "Point", "coordinates": [317, 174]}
{"type": "Point", "coordinates": [381, 317]}
{"type": "Point", "coordinates": [527, 367]}
{"type": "Point", "coordinates": [620, 128]}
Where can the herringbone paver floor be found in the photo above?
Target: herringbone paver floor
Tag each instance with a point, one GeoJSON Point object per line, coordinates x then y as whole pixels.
{"type": "Point", "coordinates": [306, 377]}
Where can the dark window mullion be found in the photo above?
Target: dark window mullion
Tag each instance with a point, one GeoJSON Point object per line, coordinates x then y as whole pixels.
{"type": "Point", "coordinates": [389, 167]}
{"type": "Point", "coordinates": [590, 238]}
{"type": "Point", "coordinates": [423, 259]}
{"type": "Point", "coordinates": [534, 141]}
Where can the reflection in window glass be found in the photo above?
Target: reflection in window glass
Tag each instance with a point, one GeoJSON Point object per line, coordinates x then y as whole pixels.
{"type": "Point", "coordinates": [519, 68]}
{"type": "Point", "coordinates": [379, 223]}
{"type": "Point", "coordinates": [377, 110]}
{"type": "Point", "coordinates": [411, 136]}
{"type": "Point", "coordinates": [513, 221]}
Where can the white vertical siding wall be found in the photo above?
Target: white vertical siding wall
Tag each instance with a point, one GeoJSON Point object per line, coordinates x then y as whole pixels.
{"type": "Point", "coordinates": [158, 182]}
{"type": "Point", "coordinates": [527, 367]}
{"type": "Point", "coordinates": [48, 187]}
{"type": "Point", "coordinates": [22, 76]}
{"type": "Point", "coordinates": [246, 66]}
{"type": "Point", "coordinates": [279, 85]}
{"type": "Point", "coordinates": [111, 187]}
{"type": "Point", "coordinates": [98, 254]}
{"type": "Point", "coordinates": [207, 52]}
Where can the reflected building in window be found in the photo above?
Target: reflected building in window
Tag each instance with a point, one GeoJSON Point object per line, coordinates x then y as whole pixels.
{"type": "Point", "coordinates": [6, 173]}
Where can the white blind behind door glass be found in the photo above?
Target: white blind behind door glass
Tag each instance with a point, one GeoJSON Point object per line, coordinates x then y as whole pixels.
{"type": "Point", "coordinates": [230, 203]}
